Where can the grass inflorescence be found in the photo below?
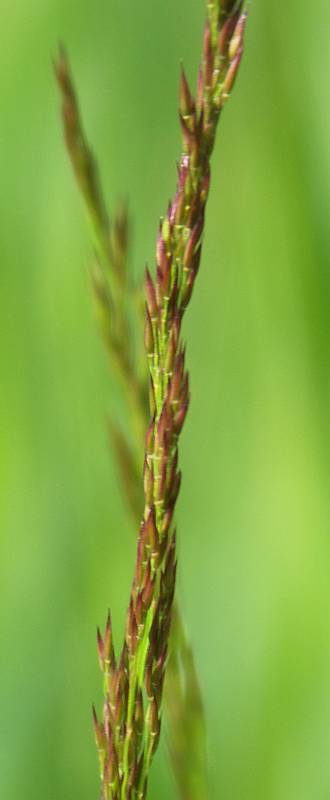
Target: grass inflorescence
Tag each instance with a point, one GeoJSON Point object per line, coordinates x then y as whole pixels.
{"type": "Point", "coordinates": [128, 732]}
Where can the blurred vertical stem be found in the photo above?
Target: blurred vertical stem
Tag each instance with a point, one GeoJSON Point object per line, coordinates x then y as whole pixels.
{"type": "Point", "coordinates": [118, 305]}
{"type": "Point", "coordinates": [113, 291]}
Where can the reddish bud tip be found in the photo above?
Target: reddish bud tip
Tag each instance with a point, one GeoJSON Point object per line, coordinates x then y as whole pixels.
{"type": "Point", "coordinates": [150, 294]}
{"type": "Point", "coordinates": [236, 42]}
{"type": "Point", "coordinates": [99, 731]}
{"type": "Point", "coordinates": [231, 75]}
{"type": "Point", "coordinates": [187, 105]}
{"type": "Point", "coordinates": [180, 418]}
{"type": "Point", "coordinates": [95, 720]}
{"type": "Point", "coordinates": [108, 650]}
{"type": "Point", "coordinates": [100, 648]}
{"type": "Point", "coordinates": [227, 30]}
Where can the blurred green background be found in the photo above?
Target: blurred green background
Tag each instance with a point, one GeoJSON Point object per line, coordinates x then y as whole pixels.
{"type": "Point", "coordinates": [254, 560]}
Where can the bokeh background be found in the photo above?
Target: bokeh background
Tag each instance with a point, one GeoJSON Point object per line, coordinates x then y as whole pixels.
{"type": "Point", "coordinates": [254, 561]}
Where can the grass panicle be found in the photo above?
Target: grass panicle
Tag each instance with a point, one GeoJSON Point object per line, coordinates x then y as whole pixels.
{"type": "Point", "coordinates": [127, 734]}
